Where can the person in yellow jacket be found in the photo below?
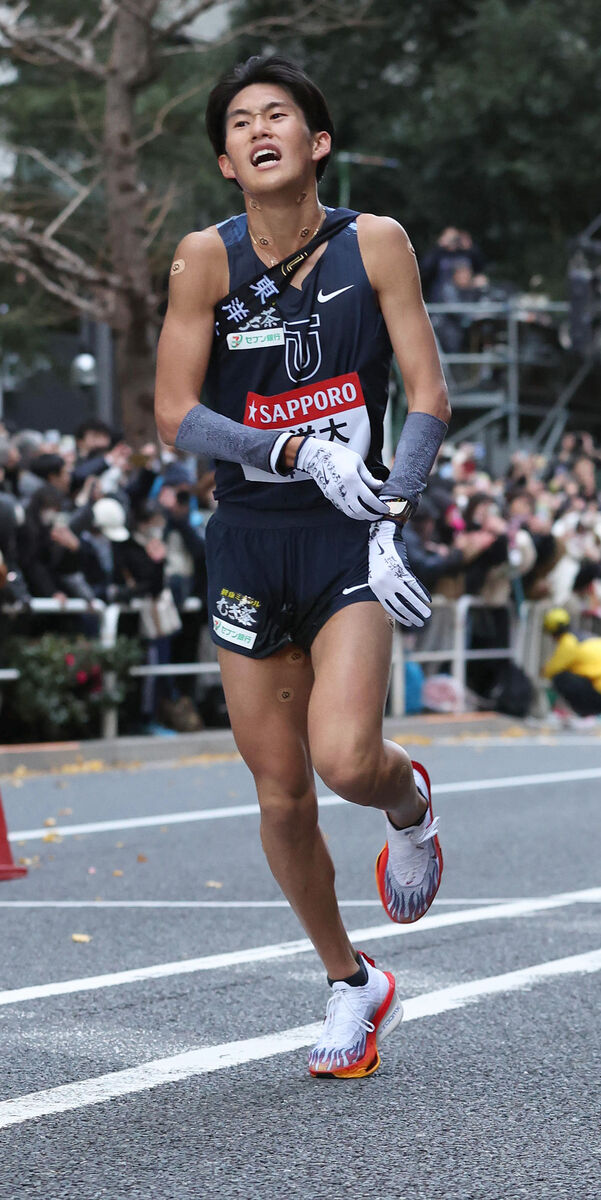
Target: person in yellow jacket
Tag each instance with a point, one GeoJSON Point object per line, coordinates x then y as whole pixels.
{"type": "Point", "coordinates": [575, 666]}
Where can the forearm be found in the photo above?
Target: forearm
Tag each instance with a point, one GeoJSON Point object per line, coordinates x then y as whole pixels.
{"type": "Point", "coordinates": [419, 443]}
{"type": "Point", "coordinates": [205, 432]}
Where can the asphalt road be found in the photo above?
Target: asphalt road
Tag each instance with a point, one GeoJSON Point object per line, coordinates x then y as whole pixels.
{"type": "Point", "coordinates": [166, 1056]}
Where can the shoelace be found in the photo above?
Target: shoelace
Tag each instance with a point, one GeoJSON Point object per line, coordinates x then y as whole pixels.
{"type": "Point", "coordinates": [429, 832]}
{"type": "Point", "coordinates": [342, 998]}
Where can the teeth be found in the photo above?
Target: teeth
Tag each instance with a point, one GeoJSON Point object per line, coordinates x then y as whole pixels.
{"type": "Point", "coordinates": [264, 156]}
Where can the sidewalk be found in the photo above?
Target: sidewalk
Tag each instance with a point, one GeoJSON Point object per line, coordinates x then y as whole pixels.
{"type": "Point", "coordinates": [98, 753]}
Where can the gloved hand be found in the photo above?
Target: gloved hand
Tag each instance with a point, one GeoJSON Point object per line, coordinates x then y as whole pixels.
{"type": "Point", "coordinates": [343, 478]}
{"type": "Point", "coordinates": [391, 578]}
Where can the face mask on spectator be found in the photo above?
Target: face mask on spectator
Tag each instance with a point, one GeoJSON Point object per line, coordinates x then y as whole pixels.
{"type": "Point", "coordinates": [48, 516]}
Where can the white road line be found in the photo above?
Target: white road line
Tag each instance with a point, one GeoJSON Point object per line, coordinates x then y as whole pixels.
{"type": "Point", "coordinates": [233, 958]}
{"type": "Point", "coordinates": [207, 1059]}
{"type": "Point", "coordinates": [225, 903]}
{"type": "Point", "coordinates": [243, 810]}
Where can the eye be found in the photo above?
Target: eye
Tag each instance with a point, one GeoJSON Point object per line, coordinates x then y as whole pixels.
{"type": "Point", "coordinates": [275, 115]}
{"type": "Point", "coordinates": [239, 123]}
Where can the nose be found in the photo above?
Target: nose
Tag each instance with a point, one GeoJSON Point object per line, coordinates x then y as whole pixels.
{"type": "Point", "coordinates": [259, 125]}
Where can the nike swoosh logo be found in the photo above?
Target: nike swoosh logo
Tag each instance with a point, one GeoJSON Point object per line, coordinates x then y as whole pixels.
{"type": "Point", "coordinates": [323, 297]}
{"type": "Point", "coordinates": [356, 588]}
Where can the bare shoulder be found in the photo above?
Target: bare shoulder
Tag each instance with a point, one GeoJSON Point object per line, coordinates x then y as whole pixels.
{"type": "Point", "coordinates": [385, 247]}
{"type": "Point", "coordinates": [199, 273]}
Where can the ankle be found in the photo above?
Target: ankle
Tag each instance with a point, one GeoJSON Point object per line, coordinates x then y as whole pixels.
{"type": "Point", "coordinates": [356, 977]}
{"type": "Point", "coordinates": [410, 813]}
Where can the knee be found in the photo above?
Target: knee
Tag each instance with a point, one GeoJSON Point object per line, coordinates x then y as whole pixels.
{"type": "Point", "coordinates": [285, 807]}
{"type": "Point", "coordinates": [351, 771]}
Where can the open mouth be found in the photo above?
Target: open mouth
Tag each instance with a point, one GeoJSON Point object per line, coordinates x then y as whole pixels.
{"type": "Point", "coordinates": [264, 156]}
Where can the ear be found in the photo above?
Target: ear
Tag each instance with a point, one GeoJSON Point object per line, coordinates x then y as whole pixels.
{"type": "Point", "coordinates": [226, 167]}
{"type": "Point", "coordinates": [322, 145]}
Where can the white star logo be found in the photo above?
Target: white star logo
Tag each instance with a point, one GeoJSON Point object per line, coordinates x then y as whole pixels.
{"type": "Point", "coordinates": [252, 411]}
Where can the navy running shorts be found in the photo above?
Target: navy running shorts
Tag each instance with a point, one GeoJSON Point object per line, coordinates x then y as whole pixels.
{"type": "Point", "coordinates": [279, 581]}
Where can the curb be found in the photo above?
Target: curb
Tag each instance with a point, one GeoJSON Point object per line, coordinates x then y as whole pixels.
{"type": "Point", "coordinates": [106, 752]}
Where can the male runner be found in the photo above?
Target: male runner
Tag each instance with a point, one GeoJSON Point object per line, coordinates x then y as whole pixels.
{"type": "Point", "coordinates": [305, 555]}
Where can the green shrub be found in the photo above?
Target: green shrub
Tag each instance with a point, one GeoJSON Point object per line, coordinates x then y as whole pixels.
{"type": "Point", "coordinates": [66, 682]}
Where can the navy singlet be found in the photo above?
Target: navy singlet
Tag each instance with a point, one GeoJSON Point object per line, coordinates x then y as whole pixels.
{"type": "Point", "coordinates": [320, 365]}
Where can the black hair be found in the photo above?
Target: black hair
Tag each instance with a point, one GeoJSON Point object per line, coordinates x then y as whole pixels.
{"type": "Point", "coordinates": [93, 425]}
{"type": "Point", "coordinates": [45, 465]}
{"type": "Point", "coordinates": [268, 69]}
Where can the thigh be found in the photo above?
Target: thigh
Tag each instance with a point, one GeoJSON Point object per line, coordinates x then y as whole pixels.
{"type": "Point", "coordinates": [245, 604]}
{"type": "Point", "coordinates": [267, 701]}
{"type": "Point", "coordinates": [351, 658]}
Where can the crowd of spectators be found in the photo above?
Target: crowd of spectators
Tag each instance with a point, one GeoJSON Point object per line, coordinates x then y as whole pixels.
{"type": "Point", "coordinates": [85, 516]}
{"type": "Point", "coordinates": [533, 533]}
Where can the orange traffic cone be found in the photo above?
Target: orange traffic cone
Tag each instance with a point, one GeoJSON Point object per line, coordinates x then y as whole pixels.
{"type": "Point", "coordinates": [8, 867]}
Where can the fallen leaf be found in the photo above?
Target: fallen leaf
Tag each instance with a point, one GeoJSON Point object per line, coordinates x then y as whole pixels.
{"type": "Point", "coordinates": [81, 767]}
{"type": "Point", "coordinates": [163, 829]}
{"type": "Point", "coordinates": [65, 812]}
{"type": "Point", "coordinates": [117, 872]}
{"type": "Point", "coordinates": [50, 821]}
{"type": "Point", "coordinates": [141, 858]}
{"type": "Point", "coordinates": [24, 862]}
{"type": "Point", "coordinates": [413, 739]}
{"type": "Point", "coordinates": [52, 837]}
{"type": "Point", "coordinates": [98, 899]}
{"type": "Point", "coordinates": [213, 883]}
{"type": "Point", "coordinates": [21, 843]}
{"type": "Point", "coordinates": [80, 937]}
{"type": "Point", "coordinates": [119, 845]}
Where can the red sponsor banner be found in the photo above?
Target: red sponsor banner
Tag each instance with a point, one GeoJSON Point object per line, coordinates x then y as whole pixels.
{"type": "Point", "coordinates": [304, 404]}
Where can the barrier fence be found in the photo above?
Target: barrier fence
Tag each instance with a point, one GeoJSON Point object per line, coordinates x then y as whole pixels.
{"type": "Point", "coordinates": [446, 640]}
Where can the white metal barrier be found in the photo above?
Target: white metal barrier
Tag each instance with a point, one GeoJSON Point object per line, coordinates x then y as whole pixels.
{"type": "Point", "coordinates": [457, 653]}
{"type": "Point", "coordinates": [527, 644]}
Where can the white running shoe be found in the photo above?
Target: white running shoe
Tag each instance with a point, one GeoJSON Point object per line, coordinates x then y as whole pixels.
{"type": "Point", "coordinates": [409, 868]}
{"type": "Point", "coordinates": [357, 1018]}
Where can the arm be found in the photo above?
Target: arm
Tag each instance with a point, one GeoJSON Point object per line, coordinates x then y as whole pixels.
{"type": "Point", "coordinates": [183, 358]}
{"type": "Point", "coordinates": [392, 270]}
{"type": "Point", "coordinates": [563, 657]}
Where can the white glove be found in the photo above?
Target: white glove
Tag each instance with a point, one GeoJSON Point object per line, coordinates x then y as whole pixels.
{"type": "Point", "coordinates": [343, 478]}
{"type": "Point", "coordinates": [391, 579]}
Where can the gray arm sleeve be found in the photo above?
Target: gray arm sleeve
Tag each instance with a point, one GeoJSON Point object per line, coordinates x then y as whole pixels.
{"type": "Point", "coordinates": [419, 443]}
{"type": "Point", "coordinates": [203, 431]}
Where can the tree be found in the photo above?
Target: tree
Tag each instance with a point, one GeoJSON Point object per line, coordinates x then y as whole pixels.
{"type": "Point", "coordinates": [100, 108]}
{"type": "Point", "coordinates": [491, 109]}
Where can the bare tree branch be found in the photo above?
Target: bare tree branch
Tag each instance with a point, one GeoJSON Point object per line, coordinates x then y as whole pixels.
{"type": "Point", "coordinates": [45, 46]}
{"type": "Point", "coordinates": [84, 128]}
{"type": "Point", "coordinates": [165, 206]}
{"type": "Point", "coordinates": [167, 31]}
{"type": "Point", "coordinates": [324, 18]}
{"type": "Point", "coordinates": [159, 120]}
{"type": "Point", "coordinates": [107, 18]}
{"type": "Point", "coordinates": [14, 255]}
{"type": "Point", "coordinates": [72, 206]}
{"type": "Point", "coordinates": [21, 235]}
{"type": "Point", "coordinates": [44, 161]}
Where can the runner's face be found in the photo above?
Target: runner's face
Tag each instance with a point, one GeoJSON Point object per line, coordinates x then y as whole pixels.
{"type": "Point", "coordinates": [268, 144]}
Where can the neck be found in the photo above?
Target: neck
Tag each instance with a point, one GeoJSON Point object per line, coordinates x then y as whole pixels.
{"type": "Point", "coordinates": [281, 221]}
